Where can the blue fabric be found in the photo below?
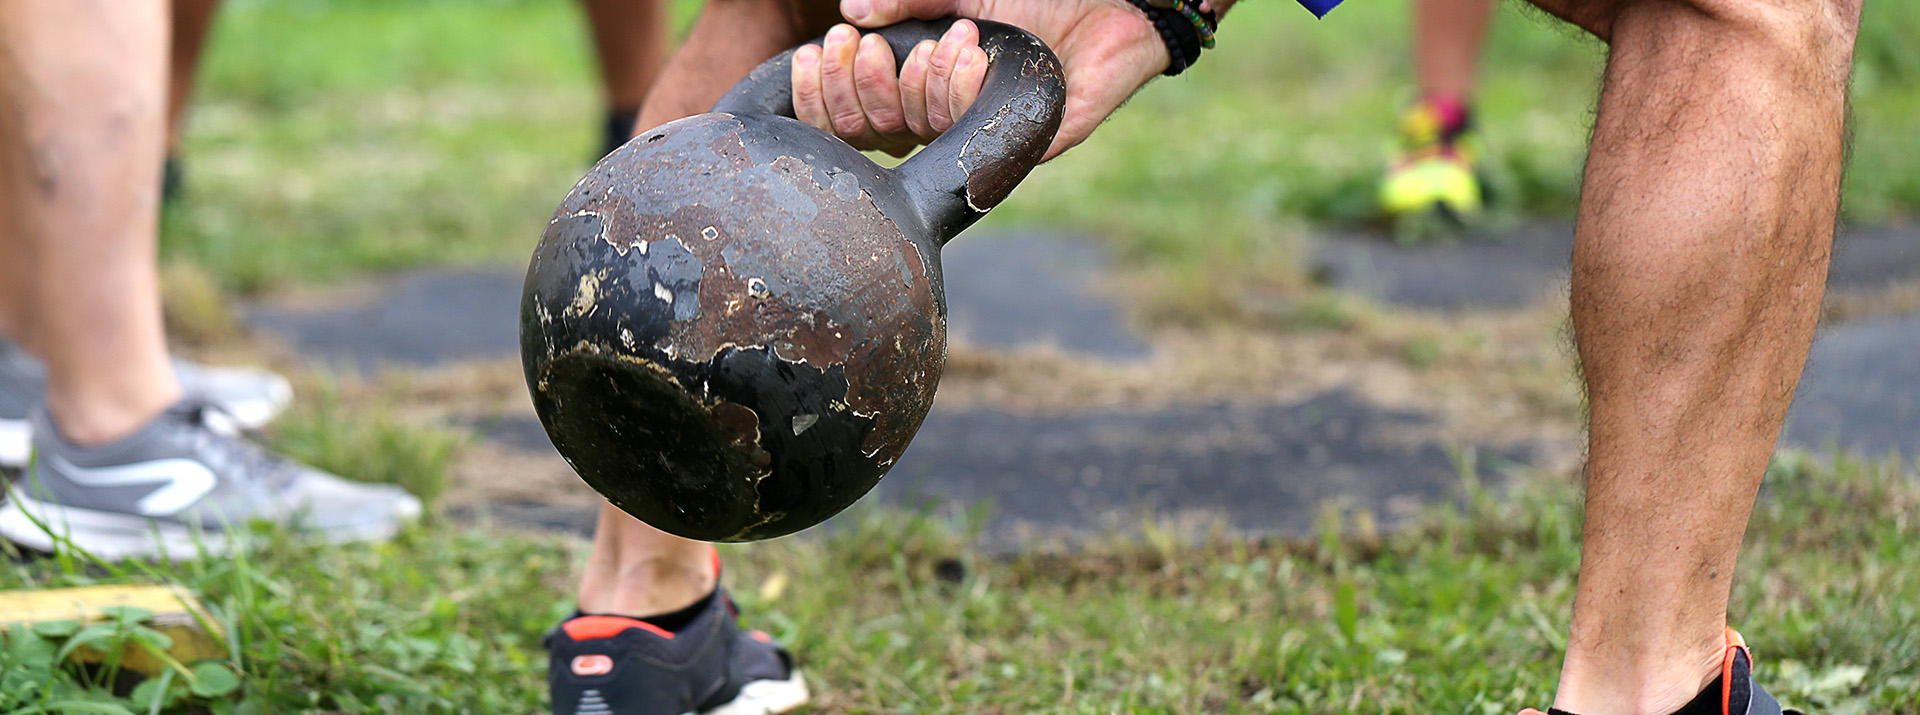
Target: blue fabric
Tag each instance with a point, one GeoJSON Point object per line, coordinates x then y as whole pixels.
{"type": "Point", "coordinates": [1320, 7]}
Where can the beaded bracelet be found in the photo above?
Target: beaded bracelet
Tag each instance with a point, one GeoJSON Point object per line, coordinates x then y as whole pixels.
{"type": "Point", "coordinates": [1184, 28]}
{"type": "Point", "coordinates": [1202, 24]}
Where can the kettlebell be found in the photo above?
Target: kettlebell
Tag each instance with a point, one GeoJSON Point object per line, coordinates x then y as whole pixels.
{"type": "Point", "coordinates": [733, 326]}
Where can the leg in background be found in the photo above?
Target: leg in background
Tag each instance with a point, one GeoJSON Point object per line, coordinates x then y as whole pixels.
{"type": "Point", "coordinates": [630, 39]}
{"type": "Point", "coordinates": [1704, 233]}
{"type": "Point", "coordinates": [191, 21]}
{"type": "Point", "coordinates": [79, 200]}
{"type": "Point", "coordinates": [1447, 38]}
{"type": "Point", "coordinates": [634, 569]}
{"type": "Point", "coordinates": [1433, 167]}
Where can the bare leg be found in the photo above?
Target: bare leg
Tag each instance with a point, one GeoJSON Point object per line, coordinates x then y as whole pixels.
{"type": "Point", "coordinates": [1704, 232]}
{"type": "Point", "coordinates": [634, 569]}
{"type": "Point", "coordinates": [80, 151]}
{"type": "Point", "coordinates": [191, 21]}
{"type": "Point", "coordinates": [1447, 35]}
{"type": "Point", "coordinates": [630, 37]}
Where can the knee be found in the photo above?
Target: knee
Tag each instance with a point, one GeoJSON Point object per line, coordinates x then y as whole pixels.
{"type": "Point", "coordinates": [1809, 27]}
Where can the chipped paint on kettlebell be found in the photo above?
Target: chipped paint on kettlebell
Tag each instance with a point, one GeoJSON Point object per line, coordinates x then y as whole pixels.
{"type": "Point", "coordinates": [734, 324]}
{"type": "Point", "coordinates": [797, 278]}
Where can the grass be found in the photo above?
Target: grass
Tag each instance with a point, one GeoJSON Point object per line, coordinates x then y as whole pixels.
{"type": "Point", "coordinates": [368, 441]}
{"type": "Point", "coordinates": [1460, 611]}
{"type": "Point", "coordinates": [338, 137]}
{"type": "Point", "coordinates": [335, 138]}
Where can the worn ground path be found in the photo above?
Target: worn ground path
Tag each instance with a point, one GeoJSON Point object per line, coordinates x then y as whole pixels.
{"type": "Point", "coordinates": [1051, 418]}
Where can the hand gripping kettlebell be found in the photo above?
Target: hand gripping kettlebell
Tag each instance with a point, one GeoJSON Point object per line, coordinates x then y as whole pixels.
{"type": "Point", "coordinates": [735, 323]}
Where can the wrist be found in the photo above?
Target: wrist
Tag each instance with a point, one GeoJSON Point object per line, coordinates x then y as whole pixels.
{"type": "Point", "coordinates": [1183, 28]}
{"type": "Point", "coordinates": [1143, 42]}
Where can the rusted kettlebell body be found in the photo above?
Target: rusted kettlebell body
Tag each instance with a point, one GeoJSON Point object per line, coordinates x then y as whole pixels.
{"type": "Point", "coordinates": [735, 323]}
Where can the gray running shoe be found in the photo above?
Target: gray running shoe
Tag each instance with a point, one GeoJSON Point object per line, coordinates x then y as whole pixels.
{"type": "Point", "coordinates": [184, 483]}
{"type": "Point", "coordinates": [251, 395]}
{"type": "Point", "coordinates": [16, 405]}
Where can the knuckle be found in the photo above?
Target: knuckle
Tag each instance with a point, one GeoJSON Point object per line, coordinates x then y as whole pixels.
{"type": "Point", "coordinates": [832, 68]}
{"type": "Point", "coordinates": [805, 90]}
{"type": "Point", "coordinates": [942, 61]}
{"type": "Point", "coordinates": [914, 82]}
{"type": "Point", "coordinates": [848, 123]}
{"type": "Point", "coordinates": [871, 82]}
{"type": "Point", "coordinates": [888, 123]}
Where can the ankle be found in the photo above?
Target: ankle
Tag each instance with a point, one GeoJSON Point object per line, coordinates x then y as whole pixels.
{"type": "Point", "coordinates": [646, 586]}
{"type": "Point", "coordinates": [97, 421]}
{"type": "Point", "coordinates": [1650, 683]}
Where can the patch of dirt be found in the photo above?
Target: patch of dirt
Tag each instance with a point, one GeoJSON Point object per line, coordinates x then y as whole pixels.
{"type": "Point", "coordinates": [487, 473]}
{"type": "Point", "coordinates": [1488, 378]}
{"type": "Point", "coordinates": [458, 397]}
{"type": "Point", "coordinates": [447, 397]}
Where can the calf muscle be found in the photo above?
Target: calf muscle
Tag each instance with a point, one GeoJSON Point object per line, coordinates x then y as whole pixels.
{"type": "Point", "coordinates": [1699, 262]}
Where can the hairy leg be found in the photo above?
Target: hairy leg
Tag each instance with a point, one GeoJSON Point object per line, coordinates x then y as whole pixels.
{"type": "Point", "coordinates": [1699, 263]}
{"type": "Point", "coordinates": [1447, 35]}
{"type": "Point", "coordinates": [634, 569]}
{"type": "Point", "coordinates": [191, 21]}
{"type": "Point", "coordinates": [81, 131]}
{"type": "Point", "coordinates": [630, 39]}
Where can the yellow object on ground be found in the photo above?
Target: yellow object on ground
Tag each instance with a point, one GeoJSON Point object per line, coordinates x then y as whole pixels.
{"type": "Point", "coordinates": [1445, 182]}
{"type": "Point", "coordinates": [175, 613]}
{"type": "Point", "coordinates": [1432, 163]}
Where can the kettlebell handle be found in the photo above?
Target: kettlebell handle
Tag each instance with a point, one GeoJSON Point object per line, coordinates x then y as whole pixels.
{"type": "Point", "coordinates": [990, 148]}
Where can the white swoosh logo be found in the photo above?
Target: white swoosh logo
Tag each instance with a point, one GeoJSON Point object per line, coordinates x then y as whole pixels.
{"type": "Point", "coordinates": [185, 481]}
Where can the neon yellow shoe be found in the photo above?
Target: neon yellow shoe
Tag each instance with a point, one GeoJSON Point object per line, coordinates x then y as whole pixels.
{"type": "Point", "coordinates": [1432, 166]}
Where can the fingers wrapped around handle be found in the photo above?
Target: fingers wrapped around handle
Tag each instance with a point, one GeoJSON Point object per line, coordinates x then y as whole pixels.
{"type": "Point", "coordinates": [989, 149]}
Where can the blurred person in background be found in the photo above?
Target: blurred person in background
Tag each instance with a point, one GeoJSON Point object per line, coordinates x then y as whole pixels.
{"type": "Point", "coordinates": [630, 41]}
{"type": "Point", "coordinates": [134, 455]}
{"type": "Point", "coordinates": [1431, 169]}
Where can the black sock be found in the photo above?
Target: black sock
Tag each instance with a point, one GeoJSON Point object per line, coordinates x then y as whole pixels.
{"type": "Point", "coordinates": [619, 128]}
{"type": "Point", "coordinates": [1706, 703]}
{"type": "Point", "coordinates": [669, 622]}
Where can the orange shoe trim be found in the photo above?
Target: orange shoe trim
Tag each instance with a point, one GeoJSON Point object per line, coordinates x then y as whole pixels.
{"type": "Point", "coordinates": [1735, 643]}
{"type": "Point", "coordinates": [591, 627]}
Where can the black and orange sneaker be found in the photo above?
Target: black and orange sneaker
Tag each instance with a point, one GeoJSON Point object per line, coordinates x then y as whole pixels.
{"type": "Point", "coordinates": [612, 665]}
{"type": "Point", "coordinates": [1733, 693]}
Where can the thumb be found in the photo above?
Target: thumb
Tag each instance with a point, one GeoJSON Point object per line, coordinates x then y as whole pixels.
{"type": "Point", "coordinates": [874, 13]}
